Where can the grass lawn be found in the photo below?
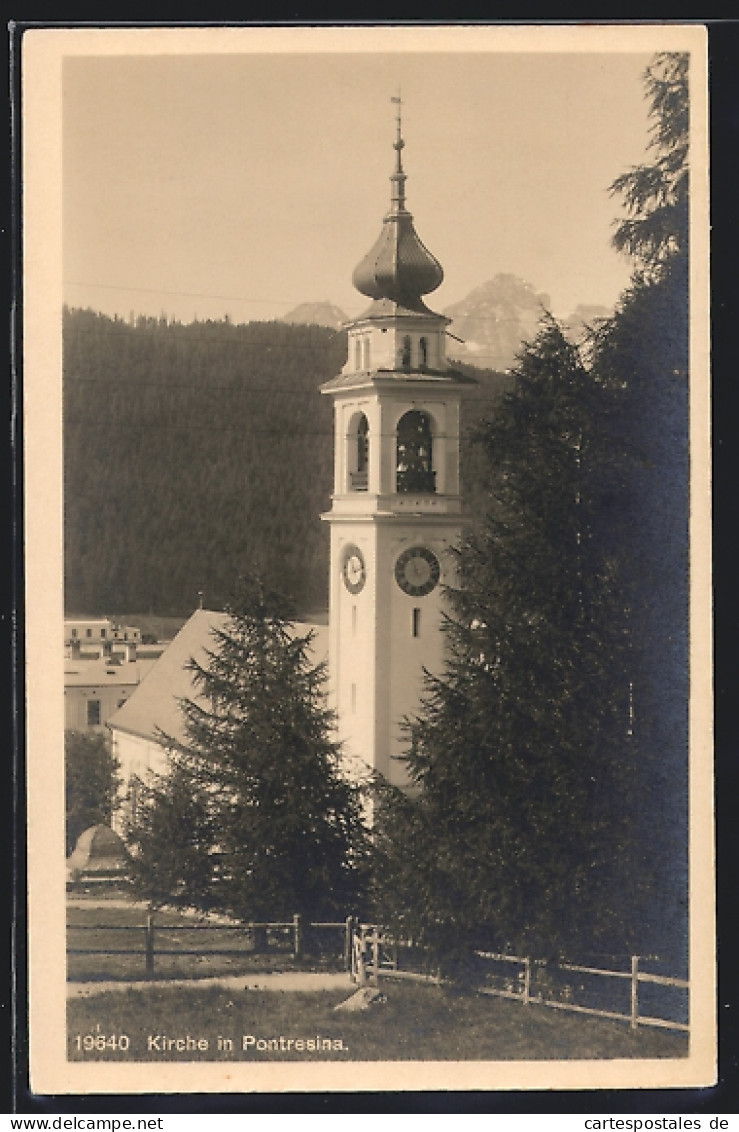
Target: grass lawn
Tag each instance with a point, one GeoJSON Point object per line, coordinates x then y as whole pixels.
{"type": "Point", "coordinates": [414, 1023]}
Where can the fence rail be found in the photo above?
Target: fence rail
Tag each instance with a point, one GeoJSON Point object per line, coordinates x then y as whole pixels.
{"type": "Point", "coordinates": [375, 956]}
{"type": "Point", "coordinates": [155, 939]}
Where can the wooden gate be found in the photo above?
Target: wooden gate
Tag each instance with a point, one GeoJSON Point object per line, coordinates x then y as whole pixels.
{"type": "Point", "coordinates": [374, 954]}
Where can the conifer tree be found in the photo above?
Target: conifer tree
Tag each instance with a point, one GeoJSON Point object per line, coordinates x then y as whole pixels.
{"type": "Point", "coordinates": [656, 193]}
{"type": "Point", "coordinates": [644, 350]}
{"type": "Point", "coordinates": [552, 756]}
{"type": "Point", "coordinates": [264, 822]}
{"type": "Point", "coordinates": [91, 780]}
{"type": "Point", "coordinates": [170, 834]}
{"type": "Point", "coordinates": [521, 833]}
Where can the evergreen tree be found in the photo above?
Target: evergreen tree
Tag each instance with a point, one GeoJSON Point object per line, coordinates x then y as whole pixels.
{"type": "Point", "coordinates": [552, 756]}
{"type": "Point", "coordinates": [170, 831]}
{"type": "Point", "coordinates": [255, 818]}
{"type": "Point", "coordinates": [644, 349]}
{"type": "Point", "coordinates": [91, 780]}
{"type": "Point", "coordinates": [656, 193]}
{"type": "Point", "coordinates": [521, 833]}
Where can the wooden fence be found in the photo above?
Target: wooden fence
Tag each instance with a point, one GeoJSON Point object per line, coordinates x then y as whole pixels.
{"type": "Point", "coordinates": [370, 953]}
{"type": "Point", "coordinates": [151, 934]}
{"type": "Point", "coordinates": [375, 955]}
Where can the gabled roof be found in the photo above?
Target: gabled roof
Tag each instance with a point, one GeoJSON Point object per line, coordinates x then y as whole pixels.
{"type": "Point", "coordinates": [155, 705]}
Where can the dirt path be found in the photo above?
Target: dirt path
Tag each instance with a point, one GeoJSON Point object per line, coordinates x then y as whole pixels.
{"type": "Point", "coordinates": [103, 902]}
{"type": "Point", "coordinates": [142, 906]}
{"type": "Point", "coordinates": [307, 981]}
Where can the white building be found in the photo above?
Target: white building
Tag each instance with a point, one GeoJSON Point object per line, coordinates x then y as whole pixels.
{"type": "Point", "coordinates": [99, 636]}
{"type": "Point", "coordinates": [102, 666]}
{"type": "Point", "coordinates": [95, 689]}
{"type": "Point", "coordinates": [396, 505]}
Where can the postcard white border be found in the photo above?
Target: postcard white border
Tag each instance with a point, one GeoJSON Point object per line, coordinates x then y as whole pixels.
{"type": "Point", "coordinates": [43, 51]}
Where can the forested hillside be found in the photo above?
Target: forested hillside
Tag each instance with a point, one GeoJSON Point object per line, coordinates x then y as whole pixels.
{"type": "Point", "coordinates": [193, 452]}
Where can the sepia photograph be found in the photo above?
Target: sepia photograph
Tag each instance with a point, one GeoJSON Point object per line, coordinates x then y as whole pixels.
{"type": "Point", "coordinates": [367, 467]}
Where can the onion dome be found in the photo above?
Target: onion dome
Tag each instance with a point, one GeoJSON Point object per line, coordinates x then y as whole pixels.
{"type": "Point", "coordinates": [398, 267]}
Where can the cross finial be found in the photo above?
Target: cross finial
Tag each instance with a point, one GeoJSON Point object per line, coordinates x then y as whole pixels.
{"type": "Point", "coordinates": [396, 98]}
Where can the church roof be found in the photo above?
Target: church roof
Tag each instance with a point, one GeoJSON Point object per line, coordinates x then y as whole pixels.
{"type": "Point", "coordinates": [392, 308]}
{"type": "Point", "coordinates": [398, 267]}
{"type": "Point", "coordinates": [394, 377]}
{"type": "Point", "coordinates": [154, 706]}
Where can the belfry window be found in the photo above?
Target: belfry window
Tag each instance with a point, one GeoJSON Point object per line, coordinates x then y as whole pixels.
{"type": "Point", "coordinates": [357, 354]}
{"type": "Point", "coordinates": [359, 471]}
{"type": "Point", "coordinates": [405, 354]}
{"type": "Point", "coordinates": [362, 444]}
{"type": "Point", "coordinates": [366, 353]}
{"type": "Point", "coordinates": [414, 469]}
{"type": "Point", "coordinates": [423, 353]}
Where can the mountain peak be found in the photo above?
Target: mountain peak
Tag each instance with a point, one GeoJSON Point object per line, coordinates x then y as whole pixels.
{"type": "Point", "coordinates": [317, 314]}
{"type": "Point", "coordinates": [495, 318]}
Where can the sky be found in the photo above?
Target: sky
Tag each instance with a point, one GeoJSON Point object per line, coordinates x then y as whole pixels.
{"type": "Point", "coordinates": [241, 184]}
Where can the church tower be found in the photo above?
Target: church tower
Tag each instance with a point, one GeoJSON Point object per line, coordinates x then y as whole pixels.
{"type": "Point", "coordinates": [396, 506]}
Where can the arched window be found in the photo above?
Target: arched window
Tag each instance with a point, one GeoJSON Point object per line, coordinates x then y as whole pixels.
{"type": "Point", "coordinates": [362, 444]}
{"type": "Point", "coordinates": [366, 353]}
{"type": "Point", "coordinates": [423, 351]}
{"type": "Point", "coordinates": [357, 354]}
{"type": "Point", "coordinates": [414, 469]}
{"type": "Point", "coordinates": [360, 456]}
{"type": "Point", "coordinates": [405, 356]}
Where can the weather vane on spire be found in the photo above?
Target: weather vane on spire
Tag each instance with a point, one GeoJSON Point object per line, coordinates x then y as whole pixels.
{"type": "Point", "coordinates": [396, 98]}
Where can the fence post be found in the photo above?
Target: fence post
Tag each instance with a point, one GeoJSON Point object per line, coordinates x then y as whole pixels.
{"type": "Point", "coordinates": [348, 943]}
{"type": "Point", "coordinates": [526, 981]}
{"type": "Point", "coordinates": [359, 969]}
{"type": "Point", "coordinates": [634, 991]}
{"type": "Point", "coordinates": [375, 956]}
{"type": "Point", "coordinates": [150, 944]}
{"type": "Point", "coordinates": [297, 936]}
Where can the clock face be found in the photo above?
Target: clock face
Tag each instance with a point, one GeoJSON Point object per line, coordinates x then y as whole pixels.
{"type": "Point", "coordinates": [417, 571]}
{"type": "Point", "coordinates": [353, 569]}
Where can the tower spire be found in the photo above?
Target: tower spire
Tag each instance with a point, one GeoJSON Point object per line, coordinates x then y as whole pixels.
{"type": "Point", "coordinates": [398, 178]}
{"type": "Point", "coordinates": [398, 268]}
